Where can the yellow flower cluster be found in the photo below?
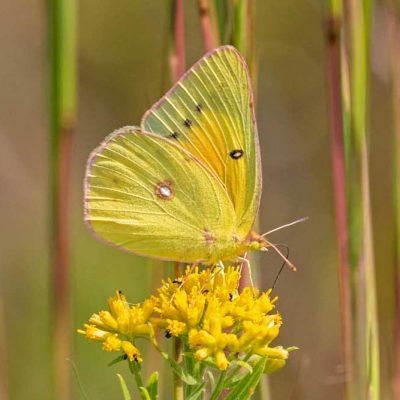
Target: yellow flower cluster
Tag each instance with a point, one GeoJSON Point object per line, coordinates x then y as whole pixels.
{"type": "Point", "coordinates": [118, 327]}
{"type": "Point", "coordinates": [204, 309]}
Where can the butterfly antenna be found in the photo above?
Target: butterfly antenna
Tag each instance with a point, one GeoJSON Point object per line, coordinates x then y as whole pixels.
{"type": "Point", "coordinates": [285, 226]}
{"type": "Point", "coordinates": [282, 266]}
{"type": "Point", "coordinates": [289, 263]}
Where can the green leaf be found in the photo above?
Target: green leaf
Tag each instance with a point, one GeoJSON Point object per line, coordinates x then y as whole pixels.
{"type": "Point", "coordinates": [235, 375]}
{"type": "Point", "coordinates": [197, 392]}
{"type": "Point", "coordinates": [242, 364]}
{"type": "Point", "coordinates": [125, 391]}
{"type": "Point", "coordinates": [234, 379]}
{"type": "Point", "coordinates": [244, 389]}
{"type": "Point", "coordinates": [152, 385]}
{"type": "Point", "coordinates": [116, 360]}
{"type": "Point", "coordinates": [183, 375]}
{"type": "Point", "coordinates": [211, 378]}
{"type": "Point", "coordinates": [144, 393]}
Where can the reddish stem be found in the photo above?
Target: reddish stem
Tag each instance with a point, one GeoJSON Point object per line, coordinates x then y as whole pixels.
{"type": "Point", "coordinates": [206, 25]}
{"type": "Point", "coordinates": [178, 57]}
{"type": "Point", "coordinates": [339, 186]}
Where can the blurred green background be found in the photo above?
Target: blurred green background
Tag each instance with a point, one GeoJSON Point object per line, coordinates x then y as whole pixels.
{"type": "Point", "coordinates": [122, 71]}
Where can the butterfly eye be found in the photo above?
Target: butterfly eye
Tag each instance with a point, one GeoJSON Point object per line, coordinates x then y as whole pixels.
{"type": "Point", "coordinates": [236, 154]}
{"type": "Point", "coordinates": [164, 190]}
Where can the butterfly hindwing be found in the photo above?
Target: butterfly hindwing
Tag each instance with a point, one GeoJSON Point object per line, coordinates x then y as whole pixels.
{"type": "Point", "coordinates": [210, 113]}
{"type": "Point", "coordinates": [147, 195]}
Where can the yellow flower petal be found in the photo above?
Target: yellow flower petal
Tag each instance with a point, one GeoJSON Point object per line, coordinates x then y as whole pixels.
{"type": "Point", "coordinates": [221, 360]}
{"type": "Point", "coordinates": [131, 351]}
{"type": "Point", "coordinates": [112, 343]}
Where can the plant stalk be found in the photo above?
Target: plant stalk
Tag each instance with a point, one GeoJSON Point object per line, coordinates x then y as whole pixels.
{"type": "Point", "coordinates": [133, 367]}
{"type": "Point", "coordinates": [393, 20]}
{"type": "Point", "coordinates": [334, 63]}
{"type": "Point", "coordinates": [4, 393]}
{"type": "Point", "coordinates": [178, 64]}
{"type": "Point", "coordinates": [62, 15]}
{"type": "Point", "coordinates": [361, 257]}
{"type": "Point", "coordinates": [208, 30]}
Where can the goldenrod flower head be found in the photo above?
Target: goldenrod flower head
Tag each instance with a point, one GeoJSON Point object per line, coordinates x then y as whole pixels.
{"type": "Point", "coordinates": [175, 328]}
{"type": "Point", "coordinates": [131, 351]}
{"type": "Point", "coordinates": [221, 360]}
{"type": "Point", "coordinates": [219, 322]}
{"type": "Point", "coordinates": [91, 332]}
{"type": "Point", "coordinates": [112, 343]}
{"type": "Point", "coordinates": [205, 309]}
{"type": "Point", "coordinates": [121, 322]}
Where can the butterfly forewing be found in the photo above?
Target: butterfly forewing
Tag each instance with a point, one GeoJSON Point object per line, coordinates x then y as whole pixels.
{"type": "Point", "coordinates": [149, 196]}
{"type": "Point", "coordinates": [209, 112]}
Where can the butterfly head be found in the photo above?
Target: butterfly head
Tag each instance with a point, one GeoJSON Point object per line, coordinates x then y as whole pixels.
{"type": "Point", "coordinates": [257, 242]}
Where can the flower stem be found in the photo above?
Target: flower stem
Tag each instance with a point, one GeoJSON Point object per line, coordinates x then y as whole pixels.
{"type": "Point", "coordinates": [219, 387]}
{"type": "Point", "coordinates": [134, 368]}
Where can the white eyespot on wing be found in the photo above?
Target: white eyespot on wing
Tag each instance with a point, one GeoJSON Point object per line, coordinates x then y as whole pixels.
{"type": "Point", "coordinates": [164, 190]}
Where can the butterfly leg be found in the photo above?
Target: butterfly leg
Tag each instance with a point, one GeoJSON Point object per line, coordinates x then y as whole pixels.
{"type": "Point", "coordinates": [245, 261]}
{"type": "Point", "coordinates": [215, 269]}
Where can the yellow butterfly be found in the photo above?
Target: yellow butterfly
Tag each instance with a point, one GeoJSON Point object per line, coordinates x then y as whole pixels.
{"type": "Point", "coordinates": [186, 185]}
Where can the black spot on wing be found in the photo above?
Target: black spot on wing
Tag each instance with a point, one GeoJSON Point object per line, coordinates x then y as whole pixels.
{"type": "Point", "coordinates": [236, 154]}
{"type": "Point", "coordinates": [174, 135]}
{"type": "Point", "coordinates": [187, 122]}
{"type": "Point", "coordinates": [199, 107]}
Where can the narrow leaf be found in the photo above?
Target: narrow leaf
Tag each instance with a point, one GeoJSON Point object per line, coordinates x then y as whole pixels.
{"type": "Point", "coordinates": [144, 393]}
{"type": "Point", "coordinates": [197, 392]}
{"type": "Point", "coordinates": [243, 364]}
{"type": "Point", "coordinates": [125, 391]}
{"type": "Point", "coordinates": [246, 387]}
{"type": "Point", "coordinates": [187, 378]}
{"type": "Point", "coordinates": [116, 360]}
{"type": "Point", "coordinates": [152, 385]}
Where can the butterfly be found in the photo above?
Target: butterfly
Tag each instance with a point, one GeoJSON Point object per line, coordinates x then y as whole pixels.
{"type": "Point", "coordinates": [186, 184]}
